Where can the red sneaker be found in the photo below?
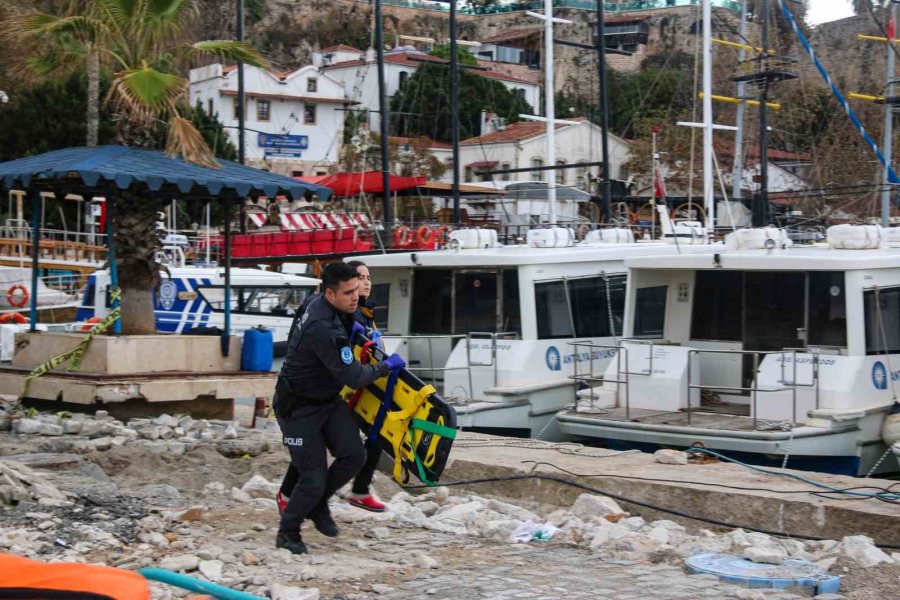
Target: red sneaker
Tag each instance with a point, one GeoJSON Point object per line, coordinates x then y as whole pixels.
{"type": "Point", "coordinates": [282, 501]}
{"type": "Point", "coordinates": [369, 503]}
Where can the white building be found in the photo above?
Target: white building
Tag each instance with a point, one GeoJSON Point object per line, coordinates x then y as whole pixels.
{"type": "Point", "coordinates": [523, 145]}
{"type": "Point", "coordinates": [357, 70]}
{"type": "Point", "coordinates": [294, 121]}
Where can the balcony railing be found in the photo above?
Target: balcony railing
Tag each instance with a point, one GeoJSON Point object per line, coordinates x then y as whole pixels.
{"type": "Point", "coordinates": [609, 7]}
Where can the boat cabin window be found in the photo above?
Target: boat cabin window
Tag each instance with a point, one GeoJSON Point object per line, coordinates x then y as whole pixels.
{"type": "Point", "coordinates": [650, 311]}
{"type": "Point", "coordinates": [718, 296]}
{"type": "Point", "coordinates": [273, 300]}
{"type": "Point", "coordinates": [770, 310]}
{"type": "Point", "coordinates": [594, 306]}
{"type": "Point", "coordinates": [446, 301]}
{"type": "Point", "coordinates": [882, 321]}
{"type": "Point", "coordinates": [378, 302]}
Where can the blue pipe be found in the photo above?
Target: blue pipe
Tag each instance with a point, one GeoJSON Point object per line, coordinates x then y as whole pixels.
{"type": "Point", "coordinates": [111, 255]}
{"type": "Point", "coordinates": [885, 162]}
{"type": "Point", "coordinates": [35, 255]}
{"type": "Point", "coordinates": [196, 585]}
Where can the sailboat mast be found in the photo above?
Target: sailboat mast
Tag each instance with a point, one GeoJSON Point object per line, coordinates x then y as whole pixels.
{"type": "Point", "coordinates": [604, 111]}
{"type": "Point", "coordinates": [761, 216]}
{"type": "Point", "coordinates": [707, 117]}
{"type": "Point", "coordinates": [387, 215]}
{"type": "Point", "coordinates": [738, 175]}
{"type": "Point", "coordinates": [454, 109]}
{"type": "Point", "coordinates": [889, 121]}
{"type": "Point", "coordinates": [549, 108]}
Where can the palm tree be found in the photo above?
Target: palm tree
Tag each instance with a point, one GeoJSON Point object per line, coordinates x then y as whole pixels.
{"type": "Point", "coordinates": [142, 45]}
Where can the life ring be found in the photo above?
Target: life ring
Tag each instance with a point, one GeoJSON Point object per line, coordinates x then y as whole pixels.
{"type": "Point", "coordinates": [14, 317]}
{"type": "Point", "coordinates": [19, 300]}
{"type": "Point", "coordinates": [403, 237]}
{"type": "Point", "coordinates": [89, 323]}
{"type": "Point", "coordinates": [425, 235]}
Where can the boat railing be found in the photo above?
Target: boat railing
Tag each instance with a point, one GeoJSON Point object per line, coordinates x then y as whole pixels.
{"type": "Point", "coordinates": [54, 244]}
{"type": "Point", "coordinates": [622, 375]}
{"type": "Point", "coordinates": [431, 369]}
{"type": "Point", "coordinates": [754, 389]}
{"type": "Point", "coordinates": [493, 337]}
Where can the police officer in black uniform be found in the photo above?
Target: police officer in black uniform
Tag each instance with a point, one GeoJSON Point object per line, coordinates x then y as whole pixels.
{"type": "Point", "coordinates": [312, 417]}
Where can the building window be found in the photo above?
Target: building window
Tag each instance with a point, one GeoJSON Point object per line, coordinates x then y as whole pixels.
{"type": "Point", "coordinates": [537, 163]}
{"type": "Point", "coordinates": [296, 173]}
{"type": "Point", "coordinates": [581, 181]}
{"type": "Point", "coordinates": [404, 77]}
{"type": "Point", "coordinates": [209, 107]}
{"type": "Point", "coordinates": [560, 173]}
{"type": "Point", "coordinates": [505, 176]}
{"type": "Point", "coordinates": [309, 114]}
{"type": "Point", "coordinates": [236, 109]}
{"type": "Point", "coordinates": [468, 174]}
{"type": "Point", "coordinates": [312, 84]}
{"type": "Point", "coordinates": [263, 110]}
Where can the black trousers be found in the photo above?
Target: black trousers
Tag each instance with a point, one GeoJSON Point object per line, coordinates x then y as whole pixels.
{"type": "Point", "coordinates": [307, 432]}
{"type": "Point", "coordinates": [361, 482]}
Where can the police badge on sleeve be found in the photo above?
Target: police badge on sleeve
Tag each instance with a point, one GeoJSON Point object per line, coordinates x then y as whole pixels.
{"type": "Point", "coordinates": [346, 355]}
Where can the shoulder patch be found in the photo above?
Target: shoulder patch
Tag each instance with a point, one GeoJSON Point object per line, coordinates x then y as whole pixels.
{"type": "Point", "coordinates": [346, 355]}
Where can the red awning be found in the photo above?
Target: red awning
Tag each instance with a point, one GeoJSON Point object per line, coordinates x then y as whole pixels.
{"type": "Point", "coordinates": [483, 163]}
{"type": "Point", "coordinates": [351, 184]}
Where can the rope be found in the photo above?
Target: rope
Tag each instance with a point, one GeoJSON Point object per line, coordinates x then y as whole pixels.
{"type": "Point", "coordinates": [568, 448]}
{"type": "Point", "coordinates": [878, 463]}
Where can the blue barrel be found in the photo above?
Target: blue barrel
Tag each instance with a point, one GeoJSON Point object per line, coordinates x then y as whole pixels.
{"type": "Point", "coordinates": [258, 350]}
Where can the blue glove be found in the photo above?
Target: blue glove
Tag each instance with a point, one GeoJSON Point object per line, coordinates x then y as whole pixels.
{"type": "Point", "coordinates": [357, 329]}
{"type": "Point", "coordinates": [376, 337]}
{"type": "Point", "coordinates": [395, 361]}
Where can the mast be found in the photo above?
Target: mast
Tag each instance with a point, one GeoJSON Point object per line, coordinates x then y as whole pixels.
{"type": "Point", "coordinates": [454, 109]}
{"type": "Point", "coordinates": [387, 213]}
{"type": "Point", "coordinates": [889, 120]}
{"type": "Point", "coordinates": [738, 173]}
{"type": "Point", "coordinates": [549, 108]}
{"type": "Point", "coordinates": [708, 189]}
{"type": "Point", "coordinates": [761, 214]}
{"type": "Point", "coordinates": [242, 152]}
{"type": "Point", "coordinates": [604, 111]}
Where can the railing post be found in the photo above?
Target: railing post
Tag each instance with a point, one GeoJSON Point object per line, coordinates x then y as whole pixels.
{"type": "Point", "coordinates": [755, 385]}
{"type": "Point", "coordinates": [690, 389]}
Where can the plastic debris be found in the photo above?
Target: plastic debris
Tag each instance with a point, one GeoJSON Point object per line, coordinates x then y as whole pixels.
{"type": "Point", "coordinates": [529, 531]}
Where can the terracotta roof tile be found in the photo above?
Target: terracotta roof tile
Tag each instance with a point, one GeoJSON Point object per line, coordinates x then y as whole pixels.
{"type": "Point", "coordinates": [341, 48]}
{"type": "Point", "coordinates": [514, 132]}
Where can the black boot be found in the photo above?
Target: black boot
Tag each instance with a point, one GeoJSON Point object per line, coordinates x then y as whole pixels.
{"type": "Point", "coordinates": [321, 518]}
{"type": "Point", "coordinates": [290, 541]}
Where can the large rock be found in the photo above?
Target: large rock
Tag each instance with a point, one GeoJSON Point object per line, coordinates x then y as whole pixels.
{"type": "Point", "coordinates": [285, 592]}
{"type": "Point", "coordinates": [27, 426]}
{"type": "Point", "coordinates": [160, 493]}
{"type": "Point", "coordinates": [589, 506]}
{"type": "Point", "coordinates": [180, 562]}
{"type": "Point", "coordinates": [211, 569]}
{"type": "Point", "coordinates": [239, 448]}
{"type": "Point", "coordinates": [862, 549]}
{"type": "Point", "coordinates": [260, 487]}
{"type": "Point", "coordinates": [72, 427]}
{"type": "Point", "coordinates": [671, 457]}
{"type": "Point", "coordinates": [51, 429]}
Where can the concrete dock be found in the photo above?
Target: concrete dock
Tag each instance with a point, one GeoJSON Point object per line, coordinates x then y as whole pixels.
{"type": "Point", "coordinates": [763, 501]}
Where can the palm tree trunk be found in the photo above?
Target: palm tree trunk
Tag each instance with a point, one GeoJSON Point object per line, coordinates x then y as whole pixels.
{"type": "Point", "coordinates": [93, 96]}
{"type": "Point", "coordinates": [137, 241]}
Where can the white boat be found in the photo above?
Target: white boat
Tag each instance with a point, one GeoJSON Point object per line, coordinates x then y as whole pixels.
{"type": "Point", "coordinates": [193, 296]}
{"type": "Point", "coordinates": [755, 350]}
{"type": "Point", "coordinates": [491, 325]}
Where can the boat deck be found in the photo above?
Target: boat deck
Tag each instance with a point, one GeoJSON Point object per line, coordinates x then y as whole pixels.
{"type": "Point", "coordinates": [725, 417]}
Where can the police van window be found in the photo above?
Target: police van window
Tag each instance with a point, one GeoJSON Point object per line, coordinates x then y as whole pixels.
{"type": "Point", "coordinates": [378, 302]}
{"type": "Point", "coordinates": [650, 312]}
{"type": "Point", "coordinates": [882, 321]}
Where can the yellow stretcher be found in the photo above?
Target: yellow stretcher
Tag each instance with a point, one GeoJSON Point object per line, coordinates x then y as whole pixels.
{"type": "Point", "coordinates": [416, 426]}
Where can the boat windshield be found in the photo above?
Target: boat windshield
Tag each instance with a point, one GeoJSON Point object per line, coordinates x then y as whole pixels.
{"type": "Point", "coordinates": [459, 301]}
{"type": "Point", "coordinates": [273, 300]}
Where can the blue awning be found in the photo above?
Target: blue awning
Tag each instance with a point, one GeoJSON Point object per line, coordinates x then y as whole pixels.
{"type": "Point", "coordinates": [122, 166]}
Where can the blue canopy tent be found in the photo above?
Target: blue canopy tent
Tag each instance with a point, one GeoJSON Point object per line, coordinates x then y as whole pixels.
{"type": "Point", "coordinates": [101, 170]}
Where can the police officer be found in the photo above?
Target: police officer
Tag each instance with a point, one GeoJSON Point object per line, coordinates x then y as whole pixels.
{"type": "Point", "coordinates": [312, 417]}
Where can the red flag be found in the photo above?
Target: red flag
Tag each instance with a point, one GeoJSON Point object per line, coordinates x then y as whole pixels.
{"type": "Point", "coordinates": [659, 184]}
{"type": "Point", "coordinates": [892, 30]}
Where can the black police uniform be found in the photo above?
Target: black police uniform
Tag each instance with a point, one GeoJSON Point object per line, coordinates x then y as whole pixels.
{"type": "Point", "coordinates": [365, 316]}
{"type": "Point", "coordinates": [312, 417]}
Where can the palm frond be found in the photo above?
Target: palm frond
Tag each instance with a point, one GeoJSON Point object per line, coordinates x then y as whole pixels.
{"type": "Point", "coordinates": [56, 59]}
{"type": "Point", "coordinates": [144, 93]}
{"type": "Point", "coordinates": [77, 26]}
{"type": "Point", "coordinates": [171, 16]}
{"type": "Point", "coordinates": [231, 50]}
{"type": "Point", "coordinates": [185, 140]}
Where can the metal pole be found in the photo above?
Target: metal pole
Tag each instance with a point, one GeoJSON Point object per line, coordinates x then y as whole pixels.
{"type": "Point", "coordinates": [35, 255]}
{"type": "Point", "coordinates": [242, 151]}
{"type": "Point", "coordinates": [604, 111]}
{"type": "Point", "coordinates": [454, 109]}
{"type": "Point", "coordinates": [761, 214]}
{"type": "Point", "coordinates": [707, 117]}
{"type": "Point", "coordinates": [653, 175]}
{"type": "Point", "coordinates": [549, 108]}
{"type": "Point", "coordinates": [889, 125]}
{"type": "Point", "coordinates": [226, 334]}
{"type": "Point", "coordinates": [388, 213]}
{"type": "Point", "coordinates": [111, 255]}
{"type": "Point", "coordinates": [739, 119]}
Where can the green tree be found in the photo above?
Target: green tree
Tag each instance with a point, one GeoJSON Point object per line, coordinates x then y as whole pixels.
{"type": "Point", "coordinates": [142, 45]}
{"type": "Point", "coordinates": [425, 100]}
